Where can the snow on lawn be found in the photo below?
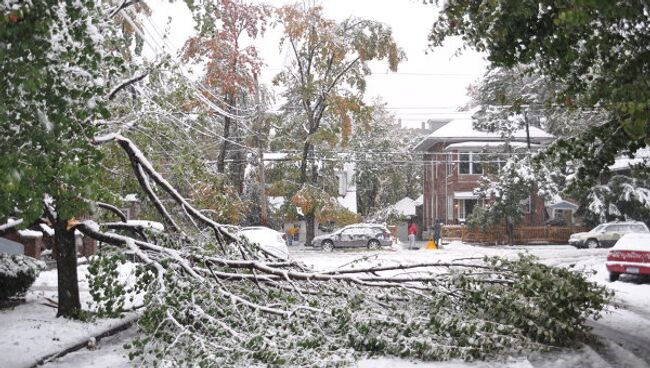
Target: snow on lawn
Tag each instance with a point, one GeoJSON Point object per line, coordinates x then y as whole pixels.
{"type": "Point", "coordinates": [31, 331]}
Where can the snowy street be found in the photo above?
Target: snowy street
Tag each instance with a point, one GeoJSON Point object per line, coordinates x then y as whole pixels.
{"type": "Point", "coordinates": [623, 335]}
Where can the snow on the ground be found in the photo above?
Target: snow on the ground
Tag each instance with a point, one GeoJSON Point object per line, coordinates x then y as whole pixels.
{"type": "Point", "coordinates": [31, 331]}
{"type": "Point", "coordinates": [624, 332]}
{"type": "Point", "coordinates": [110, 353]}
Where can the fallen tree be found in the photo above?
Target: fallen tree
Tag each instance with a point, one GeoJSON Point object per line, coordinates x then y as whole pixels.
{"type": "Point", "coordinates": [213, 299]}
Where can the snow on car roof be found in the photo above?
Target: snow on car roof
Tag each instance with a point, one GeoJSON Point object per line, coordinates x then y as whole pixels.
{"type": "Point", "coordinates": [634, 241]}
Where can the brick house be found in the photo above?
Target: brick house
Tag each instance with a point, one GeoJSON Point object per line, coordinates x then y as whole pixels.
{"type": "Point", "coordinates": [34, 240]}
{"type": "Point", "coordinates": [455, 157]}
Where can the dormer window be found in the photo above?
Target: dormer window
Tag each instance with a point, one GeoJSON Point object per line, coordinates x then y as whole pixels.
{"type": "Point", "coordinates": [470, 163]}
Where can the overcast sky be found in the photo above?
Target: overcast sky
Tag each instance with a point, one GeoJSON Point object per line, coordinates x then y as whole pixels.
{"type": "Point", "coordinates": [428, 83]}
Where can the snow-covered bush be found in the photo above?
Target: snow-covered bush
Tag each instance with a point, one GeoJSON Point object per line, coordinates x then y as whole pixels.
{"type": "Point", "coordinates": [17, 274]}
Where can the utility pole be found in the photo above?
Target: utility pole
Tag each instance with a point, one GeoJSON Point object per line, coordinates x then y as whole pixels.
{"type": "Point", "coordinates": [527, 130]}
{"type": "Point", "coordinates": [264, 203]}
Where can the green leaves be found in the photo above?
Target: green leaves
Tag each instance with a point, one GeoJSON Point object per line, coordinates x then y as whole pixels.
{"type": "Point", "coordinates": [595, 50]}
{"type": "Point", "coordinates": [51, 62]}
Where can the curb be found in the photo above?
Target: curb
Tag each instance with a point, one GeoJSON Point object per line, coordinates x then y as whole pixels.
{"type": "Point", "coordinates": [128, 322]}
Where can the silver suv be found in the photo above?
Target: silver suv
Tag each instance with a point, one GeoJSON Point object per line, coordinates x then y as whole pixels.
{"type": "Point", "coordinates": [606, 235]}
{"type": "Point", "coordinates": [372, 236]}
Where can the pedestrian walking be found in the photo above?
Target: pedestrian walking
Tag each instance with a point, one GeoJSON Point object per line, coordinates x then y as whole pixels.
{"type": "Point", "coordinates": [412, 230]}
{"type": "Point", "coordinates": [291, 233]}
{"type": "Point", "coordinates": [436, 234]}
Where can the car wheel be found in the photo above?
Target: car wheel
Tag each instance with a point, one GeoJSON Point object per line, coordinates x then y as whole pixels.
{"type": "Point", "coordinates": [591, 243]}
{"type": "Point", "coordinates": [373, 244]}
{"type": "Point", "coordinates": [328, 246]}
{"type": "Point", "coordinates": [613, 276]}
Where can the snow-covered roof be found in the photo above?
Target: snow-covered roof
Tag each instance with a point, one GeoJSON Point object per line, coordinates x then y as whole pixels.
{"type": "Point", "coordinates": [12, 222]}
{"type": "Point", "coordinates": [641, 156]}
{"type": "Point", "coordinates": [419, 200]}
{"type": "Point", "coordinates": [461, 130]}
{"type": "Point", "coordinates": [562, 205]}
{"type": "Point", "coordinates": [404, 207]}
{"type": "Point", "coordinates": [487, 145]}
{"type": "Point", "coordinates": [30, 234]}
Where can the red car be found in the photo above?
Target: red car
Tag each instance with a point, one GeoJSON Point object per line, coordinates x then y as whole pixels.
{"type": "Point", "coordinates": [630, 254]}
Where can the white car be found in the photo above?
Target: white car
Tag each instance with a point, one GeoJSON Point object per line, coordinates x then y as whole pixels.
{"type": "Point", "coordinates": [605, 235]}
{"type": "Point", "coordinates": [268, 239]}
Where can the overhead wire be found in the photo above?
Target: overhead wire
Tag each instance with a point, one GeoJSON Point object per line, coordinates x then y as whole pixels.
{"type": "Point", "coordinates": [199, 88]}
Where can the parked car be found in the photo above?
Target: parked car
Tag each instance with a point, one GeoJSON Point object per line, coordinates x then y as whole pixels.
{"type": "Point", "coordinates": [605, 235]}
{"type": "Point", "coordinates": [371, 236]}
{"type": "Point", "coordinates": [270, 240]}
{"type": "Point", "coordinates": [630, 254]}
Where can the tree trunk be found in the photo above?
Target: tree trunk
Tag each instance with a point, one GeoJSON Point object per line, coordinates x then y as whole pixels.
{"type": "Point", "coordinates": [66, 264]}
{"type": "Point", "coordinates": [310, 224]}
{"type": "Point", "coordinates": [237, 166]}
{"type": "Point", "coordinates": [310, 218]}
{"type": "Point", "coordinates": [510, 231]}
{"type": "Point", "coordinates": [221, 159]}
{"type": "Point", "coordinates": [303, 163]}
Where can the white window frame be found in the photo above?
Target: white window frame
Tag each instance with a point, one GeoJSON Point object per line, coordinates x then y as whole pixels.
{"type": "Point", "coordinates": [461, 210]}
{"type": "Point", "coordinates": [470, 162]}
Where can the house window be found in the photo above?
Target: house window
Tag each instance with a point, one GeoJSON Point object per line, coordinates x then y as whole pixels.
{"type": "Point", "coordinates": [465, 208]}
{"type": "Point", "coordinates": [470, 164]}
{"type": "Point", "coordinates": [464, 166]}
{"type": "Point", "coordinates": [450, 208]}
{"type": "Point", "coordinates": [525, 205]}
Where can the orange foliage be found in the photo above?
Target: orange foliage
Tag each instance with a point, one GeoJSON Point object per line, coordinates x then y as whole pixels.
{"type": "Point", "coordinates": [230, 67]}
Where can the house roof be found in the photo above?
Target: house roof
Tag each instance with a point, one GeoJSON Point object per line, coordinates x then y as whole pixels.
{"type": "Point", "coordinates": [641, 156]}
{"type": "Point", "coordinates": [486, 145]}
{"type": "Point", "coordinates": [562, 205]}
{"type": "Point", "coordinates": [405, 207]}
{"type": "Point", "coordinates": [461, 130]}
{"type": "Point", "coordinates": [419, 200]}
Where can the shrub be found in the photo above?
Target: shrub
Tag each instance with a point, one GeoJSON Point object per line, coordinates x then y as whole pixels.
{"type": "Point", "coordinates": [17, 274]}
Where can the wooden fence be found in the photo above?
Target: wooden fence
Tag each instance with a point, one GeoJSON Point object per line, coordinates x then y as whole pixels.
{"type": "Point", "coordinates": [522, 234]}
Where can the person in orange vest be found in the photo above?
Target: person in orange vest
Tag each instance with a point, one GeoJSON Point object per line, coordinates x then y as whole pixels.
{"type": "Point", "coordinates": [412, 230]}
{"type": "Point", "coordinates": [291, 233]}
